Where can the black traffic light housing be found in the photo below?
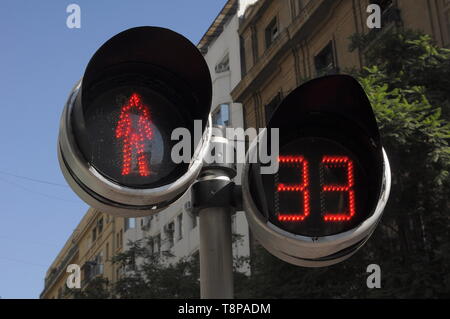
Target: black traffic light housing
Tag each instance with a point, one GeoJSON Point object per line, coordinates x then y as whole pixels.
{"type": "Point", "coordinates": [146, 75]}
{"type": "Point", "coordinates": [333, 180]}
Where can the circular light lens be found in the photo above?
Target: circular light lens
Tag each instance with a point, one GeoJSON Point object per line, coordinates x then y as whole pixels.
{"type": "Point", "coordinates": [129, 130]}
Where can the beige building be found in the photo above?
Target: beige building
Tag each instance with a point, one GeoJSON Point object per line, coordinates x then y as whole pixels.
{"type": "Point", "coordinates": [284, 42]}
{"type": "Point", "coordinates": [95, 240]}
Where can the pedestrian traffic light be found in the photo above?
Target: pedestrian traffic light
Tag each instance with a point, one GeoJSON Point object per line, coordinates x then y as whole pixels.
{"type": "Point", "coordinates": [333, 177]}
{"type": "Point", "coordinates": [115, 136]}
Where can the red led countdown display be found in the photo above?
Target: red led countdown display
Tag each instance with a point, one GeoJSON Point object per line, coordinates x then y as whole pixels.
{"type": "Point", "coordinates": [302, 165]}
{"type": "Point", "coordinates": [320, 188]}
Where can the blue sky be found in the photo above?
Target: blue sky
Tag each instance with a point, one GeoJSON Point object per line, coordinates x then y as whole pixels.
{"type": "Point", "coordinates": [40, 61]}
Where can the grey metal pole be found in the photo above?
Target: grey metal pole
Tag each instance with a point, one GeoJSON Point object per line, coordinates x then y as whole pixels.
{"type": "Point", "coordinates": [216, 256]}
{"type": "Point", "coordinates": [213, 195]}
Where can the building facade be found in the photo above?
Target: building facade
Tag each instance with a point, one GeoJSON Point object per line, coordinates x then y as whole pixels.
{"type": "Point", "coordinates": [91, 246]}
{"type": "Point", "coordinates": [287, 41]}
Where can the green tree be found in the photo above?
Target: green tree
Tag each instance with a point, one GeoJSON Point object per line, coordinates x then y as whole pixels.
{"type": "Point", "coordinates": [155, 275]}
{"type": "Point", "coordinates": [417, 217]}
{"type": "Point", "coordinates": [409, 59]}
{"type": "Point", "coordinates": [98, 288]}
{"type": "Point", "coordinates": [146, 275]}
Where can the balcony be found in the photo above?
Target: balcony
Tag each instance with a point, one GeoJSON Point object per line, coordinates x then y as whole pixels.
{"type": "Point", "coordinates": [91, 270]}
{"type": "Point", "coordinates": [56, 272]}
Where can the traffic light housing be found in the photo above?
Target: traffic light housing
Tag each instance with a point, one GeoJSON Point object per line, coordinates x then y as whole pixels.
{"type": "Point", "coordinates": [115, 138]}
{"type": "Point", "coordinates": [333, 177]}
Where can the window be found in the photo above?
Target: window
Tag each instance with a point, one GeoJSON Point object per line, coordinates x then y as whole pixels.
{"type": "Point", "coordinates": [107, 251]}
{"type": "Point", "coordinates": [100, 225]}
{"type": "Point", "coordinates": [302, 4]}
{"type": "Point", "coordinates": [272, 106]}
{"type": "Point", "coordinates": [223, 65]}
{"type": "Point", "coordinates": [94, 234]}
{"type": "Point", "coordinates": [325, 62]}
{"type": "Point", "coordinates": [151, 245]}
{"type": "Point", "coordinates": [194, 221]}
{"type": "Point", "coordinates": [391, 17]}
{"type": "Point", "coordinates": [302, 9]}
{"type": "Point", "coordinates": [87, 271]}
{"type": "Point", "coordinates": [384, 4]}
{"type": "Point", "coordinates": [180, 226]}
{"type": "Point", "coordinates": [119, 238]}
{"type": "Point", "coordinates": [448, 20]}
{"type": "Point", "coordinates": [221, 115]}
{"type": "Point", "coordinates": [130, 223]}
{"type": "Point", "coordinates": [254, 44]}
{"type": "Point", "coordinates": [89, 243]}
{"type": "Point", "coordinates": [242, 53]}
{"type": "Point", "coordinates": [170, 232]}
{"type": "Point", "coordinates": [94, 267]}
{"type": "Point", "coordinates": [98, 265]}
{"type": "Point", "coordinates": [157, 243]}
{"type": "Point", "coordinates": [447, 8]}
{"type": "Point", "coordinates": [196, 256]}
{"type": "Point", "coordinates": [188, 206]}
{"type": "Point", "coordinates": [233, 224]}
{"type": "Point", "coordinates": [148, 222]}
{"type": "Point", "coordinates": [271, 32]}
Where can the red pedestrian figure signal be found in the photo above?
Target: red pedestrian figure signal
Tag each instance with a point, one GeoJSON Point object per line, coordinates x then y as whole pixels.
{"type": "Point", "coordinates": [134, 129]}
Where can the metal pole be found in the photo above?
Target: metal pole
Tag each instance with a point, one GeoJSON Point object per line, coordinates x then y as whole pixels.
{"type": "Point", "coordinates": [213, 196]}
{"type": "Point", "coordinates": [216, 257]}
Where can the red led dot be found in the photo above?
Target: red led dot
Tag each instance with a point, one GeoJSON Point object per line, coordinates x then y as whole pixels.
{"type": "Point", "coordinates": [346, 163]}
{"type": "Point", "coordinates": [300, 162]}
